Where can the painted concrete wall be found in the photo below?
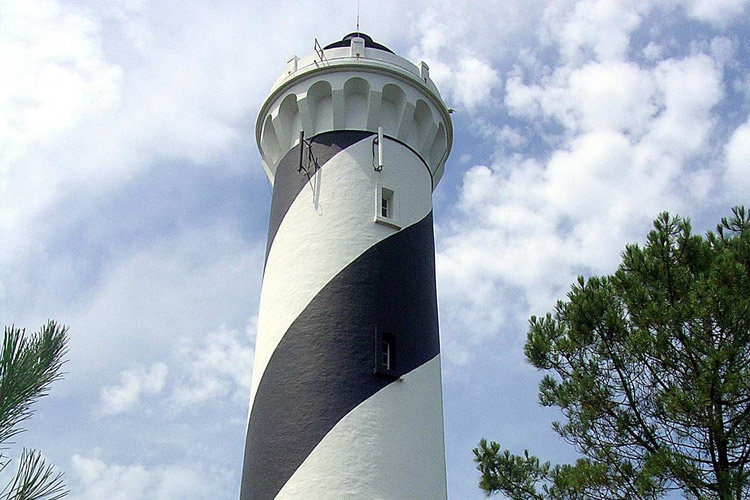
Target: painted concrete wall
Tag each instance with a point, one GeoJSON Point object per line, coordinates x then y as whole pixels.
{"type": "Point", "coordinates": [326, 232]}
{"type": "Point", "coordinates": [396, 431]}
{"type": "Point", "coordinates": [318, 238]}
{"type": "Point", "coordinates": [326, 420]}
{"type": "Point", "coordinates": [355, 100]}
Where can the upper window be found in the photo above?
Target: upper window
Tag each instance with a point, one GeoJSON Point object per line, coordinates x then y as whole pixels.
{"type": "Point", "coordinates": [386, 209]}
{"type": "Point", "coordinates": [385, 204]}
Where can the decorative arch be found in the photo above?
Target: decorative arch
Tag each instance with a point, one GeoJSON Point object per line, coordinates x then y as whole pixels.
{"type": "Point", "coordinates": [356, 100]}
{"type": "Point", "coordinates": [289, 122]}
{"type": "Point", "coordinates": [392, 109]}
{"type": "Point", "coordinates": [439, 145]}
{"type": "Point", "coordinates": [320, 102]}
{"type": "Point", "coordinates": [423, 124]}
{"type": "Point", "coordinates": [269, 141]}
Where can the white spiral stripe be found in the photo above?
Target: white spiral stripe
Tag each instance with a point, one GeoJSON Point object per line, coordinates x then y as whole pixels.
{"type": "Point", "coordinates": [319, 237]}
{"type": "Point", "coordinates": [390, 447]}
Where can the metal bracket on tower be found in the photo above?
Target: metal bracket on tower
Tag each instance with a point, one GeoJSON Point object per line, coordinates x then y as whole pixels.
{"type": "Point", "coordinates": [311, 166]}
{"type": "Point", "coordinates": [377, 163]}
{"type": "Point", "coordinates": [319, 50]}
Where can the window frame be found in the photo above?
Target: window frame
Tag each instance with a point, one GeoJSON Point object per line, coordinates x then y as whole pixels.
{"type": "Point", "coordinates": [381, 338]}
{"type": "Point", "coordinates": [387, 195]}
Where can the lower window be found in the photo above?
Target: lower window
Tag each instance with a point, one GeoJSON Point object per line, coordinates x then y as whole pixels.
{"type": "Point", "coordinates": [385, 355]}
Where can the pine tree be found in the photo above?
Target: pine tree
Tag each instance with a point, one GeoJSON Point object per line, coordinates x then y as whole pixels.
{"type": "Point", "coordinates": [651, 370]}
{"type": "Point", "coordinates": [27, 368]}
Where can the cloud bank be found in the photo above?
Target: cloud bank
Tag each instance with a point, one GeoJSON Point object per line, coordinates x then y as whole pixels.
{"type": "Point", "coordinates": [133, 206]}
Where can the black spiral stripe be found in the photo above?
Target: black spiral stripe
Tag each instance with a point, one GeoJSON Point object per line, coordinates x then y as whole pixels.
{"type": "Point", "coordinates": [324, 365]}
{"type": "Point", "coordinates": [288, 182]}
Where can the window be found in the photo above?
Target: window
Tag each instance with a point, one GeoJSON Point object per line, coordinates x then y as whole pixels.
{"type": "Point", "coordinates": [386, 203]}
{"type": "Point", "coordinates": [385, 209]}
{"type": "Point", "coordinates": [386, 363]}
{"type": "Point", "coordinates": [385, 354]}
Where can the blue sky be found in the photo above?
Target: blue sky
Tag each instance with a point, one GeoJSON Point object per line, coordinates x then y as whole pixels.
{"type": "Point", "coordinates": [133, 206]}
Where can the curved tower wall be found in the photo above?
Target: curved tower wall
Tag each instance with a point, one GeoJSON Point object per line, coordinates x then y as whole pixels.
{"type": "Point", "coordinates": [329, 417]}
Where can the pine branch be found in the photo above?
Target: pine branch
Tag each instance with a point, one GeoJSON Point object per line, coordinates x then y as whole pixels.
{"type": "Point", "coordinates": [27, 368]}
{"type": "Point", "coordinates": [35, 480]}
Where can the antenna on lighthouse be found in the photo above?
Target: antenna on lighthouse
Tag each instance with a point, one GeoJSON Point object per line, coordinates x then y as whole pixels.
{"type": "Point", "coordinates": [357, 16]}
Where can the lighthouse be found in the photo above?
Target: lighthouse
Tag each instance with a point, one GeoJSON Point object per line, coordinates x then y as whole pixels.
{"type": "Point", "coordinates": [346, 398]}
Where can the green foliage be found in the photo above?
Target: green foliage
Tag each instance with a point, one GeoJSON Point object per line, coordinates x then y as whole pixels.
{"type": "Point", "coordinates": [651, 370]}
{"type": "Point", "coordinates": [27, 367]}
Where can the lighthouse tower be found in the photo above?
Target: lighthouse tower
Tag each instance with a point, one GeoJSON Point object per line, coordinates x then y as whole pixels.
{"type": "Point", "coordinates": [346, 392]}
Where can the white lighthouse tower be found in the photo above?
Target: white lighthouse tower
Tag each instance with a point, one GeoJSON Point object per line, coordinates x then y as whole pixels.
{"type": "Point", "coordinates": [346, 392]}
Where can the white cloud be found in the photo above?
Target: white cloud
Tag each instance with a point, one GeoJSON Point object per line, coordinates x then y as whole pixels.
{"type": "Point", "coordinates": [723, 49]}
{"type": "Point", "coordinates": [653, 51]}
{"type": "Point", "coordinates": [216, 366]}
{"type": "Point", "coordinates": [134, 384]}
{"type": "Point", "coordinates": [672, 102]}
{"type": "Point", "coordinates": [718, 13]}
{"type": "Point", "coordinates": [627, 136]}
{"type": "Point", "coordinates": [55, 79]}
{"type": "Point", "coordinates": [91, 98]}
{"type": "Point", "coordinates": [737, 151]}
{"type": "Point", "coordinates": [464, 49]}
{"type": "Point", "coordinates": [597, 142]}
{"type": "Point", "coordinates": [526, 229]}
{"type": "Point", "coordinates": [54, 72]}
{"type": "Point", "coordinates": [94, 479]}
{"type": "Point", "coordinates": [521, 99]}
{"type": "Point", "coordinates": [611, 95]}
{"type": "Point", "coordinates": [456, 354]}
{"type": "Point", "coordinates": [598, 29]}
{"type": "Point", "coordinates": [690, 88]}
{"type": "Point", "coordinates": [170, 292]}
{"type": "Point", "coordinates": [474, 82]}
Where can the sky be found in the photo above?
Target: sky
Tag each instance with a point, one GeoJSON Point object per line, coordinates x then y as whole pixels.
{"type": "Point", "coordinates": [134, 208]}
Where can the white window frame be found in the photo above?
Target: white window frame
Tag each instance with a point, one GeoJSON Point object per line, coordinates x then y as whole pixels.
{"type": "Point", "coordinates": [385, 363]}
{"type": "Point", "coordinates": [391, 219]}
{"type": "Point", "coordinates": [385, 353]}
